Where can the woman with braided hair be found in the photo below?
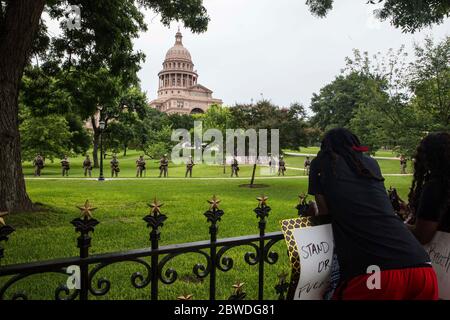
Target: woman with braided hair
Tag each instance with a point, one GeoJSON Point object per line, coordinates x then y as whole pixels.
{"type": "Point", "coordinates": [349, 186]}
{"type": "Point", "coordinates": [429, 198]}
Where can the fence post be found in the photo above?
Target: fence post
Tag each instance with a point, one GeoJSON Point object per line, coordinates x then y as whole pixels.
{"type": "Point", "coordinates": [213, 216]}
{"type": "Point", "coordinates": [5, 231]}
{"type": "Point", "coordinates": [84, 226]}
{"type": "Point", "coordinates": [262, 212]}
{"type": "Point", "coordinates": [155, 220]}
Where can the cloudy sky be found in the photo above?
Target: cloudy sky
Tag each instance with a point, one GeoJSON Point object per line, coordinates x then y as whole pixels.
{"type": "Point", "coordinates": [274, 48]}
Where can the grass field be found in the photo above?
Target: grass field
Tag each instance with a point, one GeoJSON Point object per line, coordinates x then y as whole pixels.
{"type": "Point", "coordinates": [123, 203]}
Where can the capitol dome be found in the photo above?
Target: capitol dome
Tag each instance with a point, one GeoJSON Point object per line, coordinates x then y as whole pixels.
{"type": "Point", "coordinates": [178, 51]}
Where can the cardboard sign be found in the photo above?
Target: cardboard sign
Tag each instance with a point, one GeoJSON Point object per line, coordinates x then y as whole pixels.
{"type": "Point", "coordinates": [310, 245]}
{"type": "Point", "coordinates": [439, 252]}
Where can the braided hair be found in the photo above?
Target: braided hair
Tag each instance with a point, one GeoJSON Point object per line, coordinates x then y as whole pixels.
{"type": "Point", "coordinates": [342, 143]}
{"type": "Point", "coordinates": [432, 161]}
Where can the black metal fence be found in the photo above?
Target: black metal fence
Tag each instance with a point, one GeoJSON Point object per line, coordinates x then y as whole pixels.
{"type": "Point", "coordinates": [214, 252]}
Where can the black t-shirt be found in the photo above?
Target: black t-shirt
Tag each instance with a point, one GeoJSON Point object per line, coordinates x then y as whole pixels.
{"type": "Point", "coordinates": [433, 204]}
{"type": "Point", "coordinates": [366, 230]}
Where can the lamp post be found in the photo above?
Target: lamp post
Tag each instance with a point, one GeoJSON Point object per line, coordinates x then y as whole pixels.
{"type": "Point", "coordinates": [101, 125]}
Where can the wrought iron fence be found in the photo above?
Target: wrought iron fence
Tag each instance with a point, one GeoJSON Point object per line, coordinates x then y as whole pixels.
{"type": "Point", "coordinates": [214, 251]}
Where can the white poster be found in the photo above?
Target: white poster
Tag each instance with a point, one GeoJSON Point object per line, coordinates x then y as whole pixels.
{"type": "Point", "coordinates": [439, 251]}
{"type": "Point", "coordinates": [315, 248]}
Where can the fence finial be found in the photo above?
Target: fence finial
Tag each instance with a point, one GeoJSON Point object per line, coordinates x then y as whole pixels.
{"type": "Point", "coordinates": [214, 203]}
{"type": "Point", "coordinates": [86, 211]}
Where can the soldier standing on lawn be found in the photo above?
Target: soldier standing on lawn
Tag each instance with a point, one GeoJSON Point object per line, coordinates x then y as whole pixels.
{"type": "Point", "coordinates": [65, 164]}
{"type": "Point", "coordinates": [114, 166]}
{"type": "Point", "coordinates": [38, 164]}
{"type": "Point", "coordinates": [164, 166]}
{"type": "Point", "coordinates": [307, 165]}
{"type": "Point", "coordinates": [140, 165]}
{"type": "Point", "coordinates": [403, 163]}
{"type": "Point", "coordinates": [281, 166]}
{"type": "Point", "coordinates": [87, 166]}
{"type": "Point", "coordinates": [271, 164]}
{"type": "Point", "coordinates": [189, 165]}
{"type": "Point", "coordinates": [235, 167]}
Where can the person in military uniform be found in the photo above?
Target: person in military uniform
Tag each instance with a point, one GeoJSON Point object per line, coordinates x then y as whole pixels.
{"type": "Point", "coordinates": [87, 166]}
{"type": "Point", "coordinates": [65, 165]}
{"type": "Point", "coordinates": [164, 166]}
{"type": "Point", "coordinates": [271, 164]}
{"type": "Point", "coordinates": [38, 164]}
{"type": "Point", "coordinates": [235, 167]}
{"type": "Point", "coordinates": [403, 164]}
{"type": "Point", "coordinates": [114, 166]}
{"type": "Point", "coordinates": [140, 166]}
{"type": "Point", "coordinates": [281, 166]}
{"type": "Point", "coordinates": [189, 165]}
{"type": "Point", "coordinates": [307, 165]}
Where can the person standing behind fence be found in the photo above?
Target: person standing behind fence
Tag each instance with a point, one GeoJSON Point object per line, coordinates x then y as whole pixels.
{"type": "Point", "coordinates": [65, 165]}
{"type": "Point", "coordinates": [87, 166]}
{"type": "Point", "coordinates": [235, 167]}
{"type": "Point", "coordinates": [140, 166]}
{"type": "Point", "coordinates": [114, 167]}
{"type": "Point", "coordinates": [429, 198]}
{"type": "Point", "coordinates": [189, 165]}
{"type": "Point", "coordinates": [403, 164]}
{"type": "Point", "coordinates": [368, 236]}
{"type": "Point", "coordinates": [281, 166]}
{"type": "Point", "coordinates": [164, 166]}
{"type": "Point", "coordinates": [307, 165]}
{"type": "Point", "coordinates": [38, 164]}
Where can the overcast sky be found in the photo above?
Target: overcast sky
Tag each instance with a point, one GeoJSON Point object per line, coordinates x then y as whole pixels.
{"type": "Point", "coordinates": [276, 48]}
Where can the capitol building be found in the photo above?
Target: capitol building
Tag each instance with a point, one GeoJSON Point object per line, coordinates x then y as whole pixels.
{"type": "Point", "coordinates": [179, 90]}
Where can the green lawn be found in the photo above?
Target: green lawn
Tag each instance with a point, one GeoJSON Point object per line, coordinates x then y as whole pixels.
{"type": "Point", "coordinates": [123, 203]}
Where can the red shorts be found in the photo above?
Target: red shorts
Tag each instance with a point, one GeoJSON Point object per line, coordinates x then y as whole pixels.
{"type": "Point", "coordinates": [399, 284]}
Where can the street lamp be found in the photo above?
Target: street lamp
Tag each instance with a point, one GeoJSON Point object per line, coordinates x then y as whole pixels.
{"type": "Point", "coordinates": [101, 126]}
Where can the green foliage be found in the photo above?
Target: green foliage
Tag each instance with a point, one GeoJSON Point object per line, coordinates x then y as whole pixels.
{"type": "Point", "coordinates": [408, 15]}
{"type": "Point", "coordinates": [48, 136]}
{"type": "Point", "coordinates": [390, 101]}
{"type": "Point", "coordinates": [334, 105]}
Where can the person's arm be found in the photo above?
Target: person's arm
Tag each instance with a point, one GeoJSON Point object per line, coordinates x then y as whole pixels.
{"type": "Point", "coordinates": [315, 188]}
{"type": "Point", "coordinates": [424, 230]}
{"type": "Point", "coordinates": [321, 204]}
{"type": "Point", "coordinates": [428, 213]}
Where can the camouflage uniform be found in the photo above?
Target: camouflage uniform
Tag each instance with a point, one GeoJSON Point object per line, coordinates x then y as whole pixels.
{"type": "Point", "coordinates": [235, 168]}
{"type": "Point", "coordinates": [87, 166]}
{"type": "Point", "coordinates": [403, 163]}
{"type": "Point", "coordinates": [307, 165]}
{"type": "Point", "coordinates": [189, 165]}
{"type": "Point", "coordinates": [281, 166]}
{"type": "Point", "coordinates": [140, 166]}
{"type": "Point", "coordinates": [65, 164]}
{"type": "Point", "coordinates": [38, 164]}
{"type": "Point", "coordinates": [164, 166]}
{"type": "Point", "coordinates": [114, 167]}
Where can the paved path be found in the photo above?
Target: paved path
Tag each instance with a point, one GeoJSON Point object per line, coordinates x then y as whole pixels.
{"type": "Point", "coordinates": [314, 155]}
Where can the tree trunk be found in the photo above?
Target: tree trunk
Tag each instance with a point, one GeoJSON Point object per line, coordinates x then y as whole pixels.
{"type": "Point", "coordinates": [253, 174]}
{"type": "Point", "coordinates": [17, 31]}
{"type": "Point", "coordinates": [125, 147]}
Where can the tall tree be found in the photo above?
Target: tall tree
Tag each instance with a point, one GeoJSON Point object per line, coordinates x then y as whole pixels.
{"type": "Point", "coordinates": [105, 39]}
{"type": "Point", "coordinates": [408, 15]}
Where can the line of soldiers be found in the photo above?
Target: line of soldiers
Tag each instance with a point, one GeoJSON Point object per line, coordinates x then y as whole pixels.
{"type": "Point", "coordinates": [281, 165]}
{"type": "Point", "coordinates": [141, 166]}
